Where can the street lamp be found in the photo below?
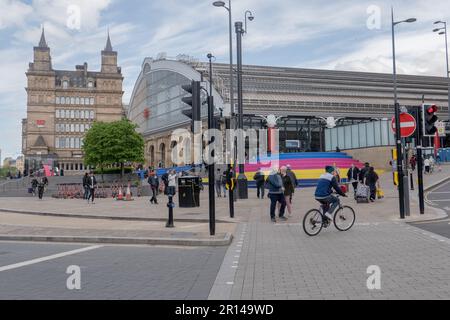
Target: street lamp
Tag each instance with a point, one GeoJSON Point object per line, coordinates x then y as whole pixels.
{"type": "Point", "coordinates": [228, 121]}
{"type": "Point", "coordinates": [398, 136]}
{"type": "Point", "coordinates": [240, 31]}
{"type": "Point", "coordinates": [443, 31]}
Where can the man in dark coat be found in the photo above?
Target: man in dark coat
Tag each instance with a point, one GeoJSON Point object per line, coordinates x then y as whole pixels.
{"type": "Point", "coordinates": [259, 179]}
{"type": "Point", "coordinates": [353, 177]}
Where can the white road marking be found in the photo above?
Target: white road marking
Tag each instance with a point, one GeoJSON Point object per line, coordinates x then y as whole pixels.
{"type": "Point", "coordinates": [43, 259]}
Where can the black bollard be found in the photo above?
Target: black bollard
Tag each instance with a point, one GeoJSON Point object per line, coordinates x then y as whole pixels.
{"type": "Point", "coordinates": [170, 205]}
{"type": "Point", "coordinates": [412, 181]}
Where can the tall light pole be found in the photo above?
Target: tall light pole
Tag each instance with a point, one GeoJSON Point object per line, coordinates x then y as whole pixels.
{"type": "Point", "coordinates": [443, 31]}
{"type": "Point", "coordinates": [240, 31]}
{"type": "Point", "coordinates": [228, 121]}
{"type": "Point", "coordinates": [401, 189]}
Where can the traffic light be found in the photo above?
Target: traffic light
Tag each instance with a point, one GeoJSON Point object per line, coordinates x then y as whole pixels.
{"type": "Point", "coordinates": [429, 119]}
{"type": "Point", "coordinates": [194, 112]}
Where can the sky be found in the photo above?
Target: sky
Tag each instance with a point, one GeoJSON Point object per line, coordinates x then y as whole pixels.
{"type": "Point", "coordinates": [335, 35]}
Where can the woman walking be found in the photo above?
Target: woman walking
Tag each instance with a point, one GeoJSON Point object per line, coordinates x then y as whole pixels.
{"type": "Point", "coordinates": [371, 180]}
{"type": "Point", "coordinates": [154, 185]}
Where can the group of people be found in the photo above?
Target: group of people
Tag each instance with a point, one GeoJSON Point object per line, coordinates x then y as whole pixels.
{"type": "Point", "coordinates": [366, 176]}
{"type": "Point", "coordinates": [38, 186]}
{"type": "Point", "coordinates": [167, 185]}
{"type": "Point", "coordinates": [281, 185]}
{"type": "Point", "coordinates": [89, 185]}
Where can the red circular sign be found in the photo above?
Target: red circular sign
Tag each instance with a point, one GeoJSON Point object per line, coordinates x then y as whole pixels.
{"type": "Point", "coordinates": [408, 125]}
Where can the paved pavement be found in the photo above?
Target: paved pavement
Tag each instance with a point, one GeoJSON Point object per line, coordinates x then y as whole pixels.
{"type": "Point", "coordinates": [109, 272]}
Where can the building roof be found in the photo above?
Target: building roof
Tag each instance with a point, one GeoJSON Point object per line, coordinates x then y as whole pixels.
{"type": "Point", "coordinates": [108, 47]}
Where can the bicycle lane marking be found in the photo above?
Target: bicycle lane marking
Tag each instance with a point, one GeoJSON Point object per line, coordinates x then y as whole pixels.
{"type": "Point", "coordinates": [48, 258]}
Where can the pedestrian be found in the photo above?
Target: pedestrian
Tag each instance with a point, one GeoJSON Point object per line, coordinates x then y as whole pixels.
{"type": "Point", "coordinates": [41, 188]}
{"type": "Point", "coordinates": [294, 180]}
{"type": "Point", "coordinates": [259, 179]}
{"type": "Point", "coordinates": [276, 194]}
{"type": "Point", "coordinates": [34, 185]}
{"type": "Point", "coordinates": [224, 183]}
{"type": "Point", "coordinates": [86, 186]}
{"type": "Point", "coordinates": [153, 181]}
{"type": "Point", "coordinates": [337, 173]}
{"type": "Point", "coordinates": [427, 165]}
{"type": "Point", "coordinates": [218, 183]}
{"type": "Point", "coordinates": [352, 176]}
{"type": "Point", "coordinates": [172, 183]}
{"type": "Point", "coordinates": [362, 173]}
{"type": "Point", "coordinates": [372, 180]}
{"type": "Point", "coordinates": [288, 189]}
{"type": "Point", "coordinates": [92, 185]}
{"type": "Point", "coordinates": [413, 163]}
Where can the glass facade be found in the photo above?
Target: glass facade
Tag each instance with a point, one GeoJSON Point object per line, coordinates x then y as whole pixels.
{"type": "Point", "coordinates": [364, 135]}
{"type": "Point", "coordinates": [157, 101]}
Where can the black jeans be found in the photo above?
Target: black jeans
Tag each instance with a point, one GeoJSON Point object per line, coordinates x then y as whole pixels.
{"type": "Point", "coordinates": [274, 198]}
{"type": "Point", "coordinates": [373, 191]}
{"type": "Point", "coordinates": [355, 186]}
{"type": "Point", "coordinates": [41, 192]}
{"type": "Point", "coordinates": [260, 191]}
{"type": "Point", "coordinates": [86, 192]}
{"type": "Point", "coordinates": [91, 194]}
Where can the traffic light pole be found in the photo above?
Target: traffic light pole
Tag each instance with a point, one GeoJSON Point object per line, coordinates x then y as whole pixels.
{"type": "Point", "coordinates": [419, 144]}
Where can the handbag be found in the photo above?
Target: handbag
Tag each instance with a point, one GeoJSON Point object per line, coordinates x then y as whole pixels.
{"type": "Point", "coordinates": [380, 193]}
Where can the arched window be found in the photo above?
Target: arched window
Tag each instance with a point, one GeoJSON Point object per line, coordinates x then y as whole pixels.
{"type": "Point", "coordinates": [65, 84]}
{"type": "Point", "coordinates": [162, 151]}
{"type": "Point", "coordinates": [152, 155]}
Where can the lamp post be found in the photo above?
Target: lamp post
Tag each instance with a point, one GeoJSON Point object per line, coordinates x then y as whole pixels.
{"type": "Point", "coordinates": [401, 189]}
{"type": "Point", "coordinates": [211, 167]}
{"type": "Point", "coordinates": [240, 31]}
{"type": "Point", "coordinates": [228, 121]}
{"type": "Point", "coordinates": [443, 31]}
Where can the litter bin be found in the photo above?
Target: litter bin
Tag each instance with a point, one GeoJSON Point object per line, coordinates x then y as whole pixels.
{"type": "Point", "coordinates": [189, 192]}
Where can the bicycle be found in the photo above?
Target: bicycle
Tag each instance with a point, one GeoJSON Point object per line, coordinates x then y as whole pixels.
{"type": "Point", "coordinates": [315, 220]}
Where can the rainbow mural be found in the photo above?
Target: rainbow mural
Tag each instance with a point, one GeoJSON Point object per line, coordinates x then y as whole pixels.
{"type": "Point", "coordinates": [308, 166]}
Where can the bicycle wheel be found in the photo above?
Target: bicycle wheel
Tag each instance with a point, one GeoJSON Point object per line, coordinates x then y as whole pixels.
{"type": "Point", "coordinates": [312, 223]}
{"type": "Point", "coordinates": [344, 219]}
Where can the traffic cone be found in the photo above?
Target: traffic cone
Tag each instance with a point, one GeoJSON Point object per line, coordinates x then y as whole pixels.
{"type": "Point", "coordinates": [120, 195]}
{"type": "Point", "coordinates": [128, 196]}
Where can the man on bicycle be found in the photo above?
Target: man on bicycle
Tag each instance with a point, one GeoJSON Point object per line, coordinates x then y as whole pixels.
{"type": "Point", "coordinates": [324, 191]}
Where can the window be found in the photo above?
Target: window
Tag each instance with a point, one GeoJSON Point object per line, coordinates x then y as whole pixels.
{"type": "Point", "coordinates": [65, 84]}
{"type": "Point", "coordinates": [72, 128]}
{"type": "Point", "coordinates": [91, 115]}
{"type": "Point", "coordinates": [67, 143]}
{"type": "Point", "coordinates": [90, 84]}
{"type": "Point", "coordinates": [72, 114]}
{"type": "Point", "coordinates": [77, 143]}
{"type": "Point", "coordinates": [72, 100]}
{"type": "Point", "coordinates": [81, 101]}
{"type": "Point", "coordinates": [67, 127]}
{"type": "Point", "coordinates": [72, 143]}
{"type": "Point", "coordinates": [77, 100]}
{"type": "Point", "coordinates": [88, 127]}
{"type": "Point", "coordinates": [82, 114]}
{"type": "Point", "coordinates": [58, 100]}
{"type": "Point", "coordinates": [58, 114]}
{"type": "Point", "coordinates": [77, 128]}
{"type": "Point", "coordinates": [77, 114]}
{"type": "Point", "coordinates": [81, 127]}
{"type": "Point", "coordinates": [57, 143]}
{"type": "Point", "coordinates": [92, 101]}
{"type": "Point", "coordinates": [81, 143]}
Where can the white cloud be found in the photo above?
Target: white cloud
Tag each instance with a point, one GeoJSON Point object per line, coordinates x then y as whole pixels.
{"type": "Point", "coordinates": [13, 13]}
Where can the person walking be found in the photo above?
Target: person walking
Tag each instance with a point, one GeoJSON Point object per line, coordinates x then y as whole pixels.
{"type": "Point", "coordinates": [363, 172]}
{"type": "Point", "coordinates": [172, 183]}
{"type": "Point", "coordinates": [288, 189]}
{"type": "Point", "coordinates": [92, 183]}
{"type": "Point", "coordinates": [259, 179]}
{"type": "Point", "coordinates": [224, 183]}
{"type": "Point", "coordinates": [294, 180]}
{"type": "Point", "coordinates": [427, 165]}
{"type": "Point", "coordinates": [413, 163]}
{"type": "Point", "coordinates": [372, 180]}
{"type": "Point", "coordinates": [41, 188]}
{"type": "Point", "coordinates": [218, 183]}
{"type": "Point", "coordinates": [34, 185]}
{"type": "Point", "coordinates": [86, 186]}
{"type": "Point", "coordinates": [153, 181]}
{"type": "Point", "coordinates": [352, 176]}
{"type": "Point", "coordinates": [276, 194]}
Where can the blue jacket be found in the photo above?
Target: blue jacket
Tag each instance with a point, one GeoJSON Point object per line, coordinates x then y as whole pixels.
{"type": "Point", "coordinates": [327, 183]}
{"type": "Point", "coordinates": [274, 184]}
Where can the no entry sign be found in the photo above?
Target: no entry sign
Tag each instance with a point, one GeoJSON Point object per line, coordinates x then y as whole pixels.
{"type": "Point", "coordinates": [408, 125]}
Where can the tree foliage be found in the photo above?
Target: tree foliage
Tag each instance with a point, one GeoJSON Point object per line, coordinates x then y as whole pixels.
{"type": "Point", "coordinates": [113, 143]}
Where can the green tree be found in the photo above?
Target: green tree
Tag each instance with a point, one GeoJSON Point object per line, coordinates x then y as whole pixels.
{"type": "Point", "coordinates": [113, 143]}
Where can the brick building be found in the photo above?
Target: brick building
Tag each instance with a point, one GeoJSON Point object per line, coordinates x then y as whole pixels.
{"type": "Point", "coordinates": [62, 105]}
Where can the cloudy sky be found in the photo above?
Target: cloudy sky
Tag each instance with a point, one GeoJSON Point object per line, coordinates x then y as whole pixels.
{"type": "Point", "coordinates": [343, 35]}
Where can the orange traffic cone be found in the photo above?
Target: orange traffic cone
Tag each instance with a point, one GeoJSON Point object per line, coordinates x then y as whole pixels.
{"type": "Point", "coordinates": [128, 196]}
{"type": "Point", "coordinates": [120, 195]}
